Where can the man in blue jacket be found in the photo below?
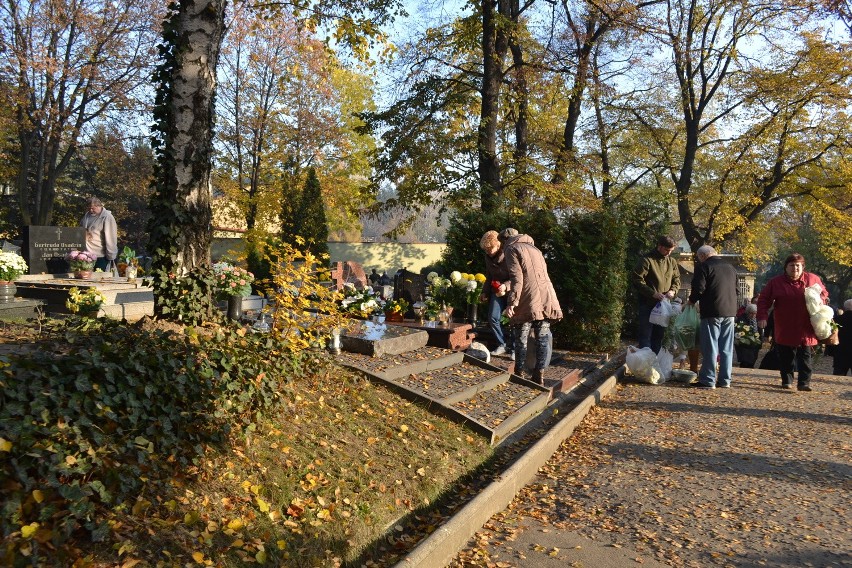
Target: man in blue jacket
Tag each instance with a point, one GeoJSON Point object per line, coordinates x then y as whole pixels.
{"type": "Point", "coordinates": [715, 286]}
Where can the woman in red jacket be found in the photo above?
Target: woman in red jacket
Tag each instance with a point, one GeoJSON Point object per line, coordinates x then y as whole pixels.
{"type": "Point", "coordinates": [794, 334]}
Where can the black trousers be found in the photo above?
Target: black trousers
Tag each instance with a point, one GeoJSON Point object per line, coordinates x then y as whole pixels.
{"type": "Point", "coordinates": [802, 355]}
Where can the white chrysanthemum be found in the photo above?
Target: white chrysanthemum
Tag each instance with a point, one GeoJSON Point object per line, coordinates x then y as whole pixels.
{"type": "Point", "coordinates": [430, 278]}
{"type": "Point", "coordinates": [455, 276]}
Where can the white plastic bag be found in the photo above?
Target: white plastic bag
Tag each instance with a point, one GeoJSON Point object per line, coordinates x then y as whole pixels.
{"type": "Point", "coordinates": [665, 360]}
{"type": "Point", "coordinates": [820, 313]}
{"type": "Point", "coordinates": [813, 298]}
{"type": "Point", "coordinates": [642, 364]}
{"type": "Point", "coordinates": [661, 313]}
{"type": "Point", "coordinates": [479, 351]}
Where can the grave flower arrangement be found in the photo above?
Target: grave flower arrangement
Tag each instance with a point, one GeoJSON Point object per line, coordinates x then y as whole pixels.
{"type": "Point", "coordinates": [232, 280]}
{"type": "Point", "coordinates": [450, 292]}
{"type": "Point", "coordinates": [80, 260]}
{"type": "Point", "coordinates": [84, 301]}
{"type": "Point", "coordinates": [745, 334]}
{"type": "Point", "coordinates": [399, 306]}
{"type": "Point", "coordinates": [12, 265]}
{"type": "Point", "coordinates": [359, 303]}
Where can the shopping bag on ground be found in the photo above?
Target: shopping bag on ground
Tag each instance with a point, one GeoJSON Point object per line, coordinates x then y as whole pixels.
{"type": "Point", "coordinates": [661, 313]}
{"type": "Point", "coordinates": [665, 360]}
{"type": "Point", "coordinates": [643, 365]}
{"type": "Point", "coordinates": [685, 328]}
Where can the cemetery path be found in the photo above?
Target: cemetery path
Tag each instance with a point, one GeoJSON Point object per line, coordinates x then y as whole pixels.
{"type": "Point", "coordinates": [670, 475]}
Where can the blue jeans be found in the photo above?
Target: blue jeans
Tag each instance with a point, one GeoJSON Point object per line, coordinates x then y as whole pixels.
{"type": "Point", "coordinates": [496, 305]}
{"type": "Point", "coordinates": [541, 329]}
{"type": "Point", "coordinates": [716, 336]}
{"type": "Point", "coordinates": [650, 335]}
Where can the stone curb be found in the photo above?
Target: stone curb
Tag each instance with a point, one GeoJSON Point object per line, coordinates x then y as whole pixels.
{"type": "Point", "coordinates": [442, 546]}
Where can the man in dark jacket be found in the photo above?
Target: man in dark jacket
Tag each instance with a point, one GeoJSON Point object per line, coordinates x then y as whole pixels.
{"type": "Point", "coordinates": [715, 286]}
{"type": "Point", "coordinates": [843, 351]}
{"type": "Point", "coordinates": [655, 277]}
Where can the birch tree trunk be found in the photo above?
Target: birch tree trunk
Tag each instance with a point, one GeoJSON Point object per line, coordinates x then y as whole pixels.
{"type": "Point", "coordinates": [181, 227]}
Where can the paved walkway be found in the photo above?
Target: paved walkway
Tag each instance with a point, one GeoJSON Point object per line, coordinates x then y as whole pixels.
{"type": "Point", "coordinates": [676, 476]}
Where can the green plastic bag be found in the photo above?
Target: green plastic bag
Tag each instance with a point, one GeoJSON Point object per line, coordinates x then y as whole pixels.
{"type": "Point", "coordinates": [685, 328]}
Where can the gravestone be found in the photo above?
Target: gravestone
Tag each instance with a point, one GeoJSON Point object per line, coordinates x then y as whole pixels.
{"type": "Point", "coordinates": [348, 272]}
{"type": "Point", "coordinates": [409, 286]}
{"type": "Point", "coordinates": [44, 248]}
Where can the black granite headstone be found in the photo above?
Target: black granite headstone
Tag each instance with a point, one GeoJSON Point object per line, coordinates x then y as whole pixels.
{"type": "Point", "coordinates": [44, 248]}
{"type": "Point", "coordinates": [410, 287]}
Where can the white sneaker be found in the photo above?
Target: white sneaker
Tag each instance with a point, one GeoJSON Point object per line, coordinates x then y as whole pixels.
{"type": "Point", "coordinates": [512, 356]}
{"type": "Point", "coordinates": [499, 351]}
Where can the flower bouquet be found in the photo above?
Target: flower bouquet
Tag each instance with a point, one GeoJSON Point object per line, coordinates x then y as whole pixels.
{"type": "Point", "coordinates": [395, 309]}
{"type": "Point", "coordinates": [86, 302]}
{"type": "Point", "coordinates": [745, 334]}
{"type": "Point", "coordinates": [747, 342]}
{"type": "Point", "coordinates": [12, 266]}
{"type": "Point", "coordinates": [232, 280]}
{"type": "Point", "coordinates": [359, 303]}
{"type": "Point", "coordinates": [81, 261]}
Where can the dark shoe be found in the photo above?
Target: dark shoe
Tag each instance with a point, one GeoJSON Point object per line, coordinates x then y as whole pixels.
{"type": "Point", "coordinates": [703, 386]}
{"type": "Point", "coordinates": [537, 377]}
{"type": "Point", "coordinates": [787, 386]}
{"type": "Point", "coordinates": [720, 386]}
{"type": "Point", "coordinates": [806, 388]}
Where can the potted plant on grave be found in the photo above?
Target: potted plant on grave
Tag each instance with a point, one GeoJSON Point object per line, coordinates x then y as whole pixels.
{"type": "Point", "coordinates": [85, 302]}
{"type": "Point", "coordinates": [395, 310]}
{"type": "Point", "coordinates": [12, 266]}
{"type": "Point", "coordinates": [82, 263]}
{"type": "Point", "coordinates": [234, 283]}
{"type": "Point", "coordinates": [128, 264]}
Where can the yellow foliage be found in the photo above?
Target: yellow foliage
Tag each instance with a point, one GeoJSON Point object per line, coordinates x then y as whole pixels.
{"type": "Point", "coordinates": [306, 307]}
{"type": "Point", "coordinates": [27, 531]}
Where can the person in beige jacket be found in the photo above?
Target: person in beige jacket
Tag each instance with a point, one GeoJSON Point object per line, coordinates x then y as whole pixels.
{"type": "Point", "coordinates": [101, 233]}
{"type": "Point", "coordinates": [531, 303]}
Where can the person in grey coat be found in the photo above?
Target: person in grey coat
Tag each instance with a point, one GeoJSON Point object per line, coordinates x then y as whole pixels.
{"type": "Point", "coordinates": [531, 303]}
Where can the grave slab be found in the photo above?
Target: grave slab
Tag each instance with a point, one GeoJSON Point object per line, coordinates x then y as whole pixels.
{"type": "Point", "coordinates": [379, 339]}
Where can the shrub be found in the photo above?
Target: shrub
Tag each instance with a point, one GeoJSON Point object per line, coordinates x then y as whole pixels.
{"type": "Point", "coordinates": [592, 277]}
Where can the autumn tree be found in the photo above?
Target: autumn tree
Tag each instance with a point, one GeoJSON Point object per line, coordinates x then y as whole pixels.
{"type": "Point", "coordinates": [65, 66]}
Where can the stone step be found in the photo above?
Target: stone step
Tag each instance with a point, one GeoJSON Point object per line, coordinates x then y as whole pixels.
{"type": "Point", "coordinates": [487, 398]}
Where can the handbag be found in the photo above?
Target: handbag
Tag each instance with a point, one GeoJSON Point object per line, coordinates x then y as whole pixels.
{"type": "Point", "coordinates": [770, 360]}
{"type": "Point", "coordinates": [833, 339]}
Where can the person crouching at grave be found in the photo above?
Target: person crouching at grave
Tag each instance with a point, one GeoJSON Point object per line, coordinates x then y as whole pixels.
{"type": "Point", "coordinates": [496, 284]}
{"type": "Point", "coordinates": [101, 233]}
{"type": "Point", "coordinates": [531, 303]}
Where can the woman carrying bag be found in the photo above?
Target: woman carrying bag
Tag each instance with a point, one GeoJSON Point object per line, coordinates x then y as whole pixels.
{"type": "Point", "coordinates": [793, 333]}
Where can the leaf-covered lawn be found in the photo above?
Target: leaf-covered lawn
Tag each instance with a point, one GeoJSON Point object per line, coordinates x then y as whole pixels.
{"type": "Point", "coordinates": [327, 469]}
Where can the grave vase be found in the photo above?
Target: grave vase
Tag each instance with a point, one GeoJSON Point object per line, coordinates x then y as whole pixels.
{"type": "Point", "coordinates": [7, 291]}
{"type": "Point", "coordinates": [235, 307]}
{"type": "Point", "coordinates": [472, 313]}
{"type": "Point", "coordinates": [83, 274]}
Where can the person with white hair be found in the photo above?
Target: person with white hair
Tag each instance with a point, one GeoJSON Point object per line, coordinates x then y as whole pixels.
{"type": "Point", "coordinates": [843, 350]}
{"type": "Point", "coordinates": [715, 286]}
